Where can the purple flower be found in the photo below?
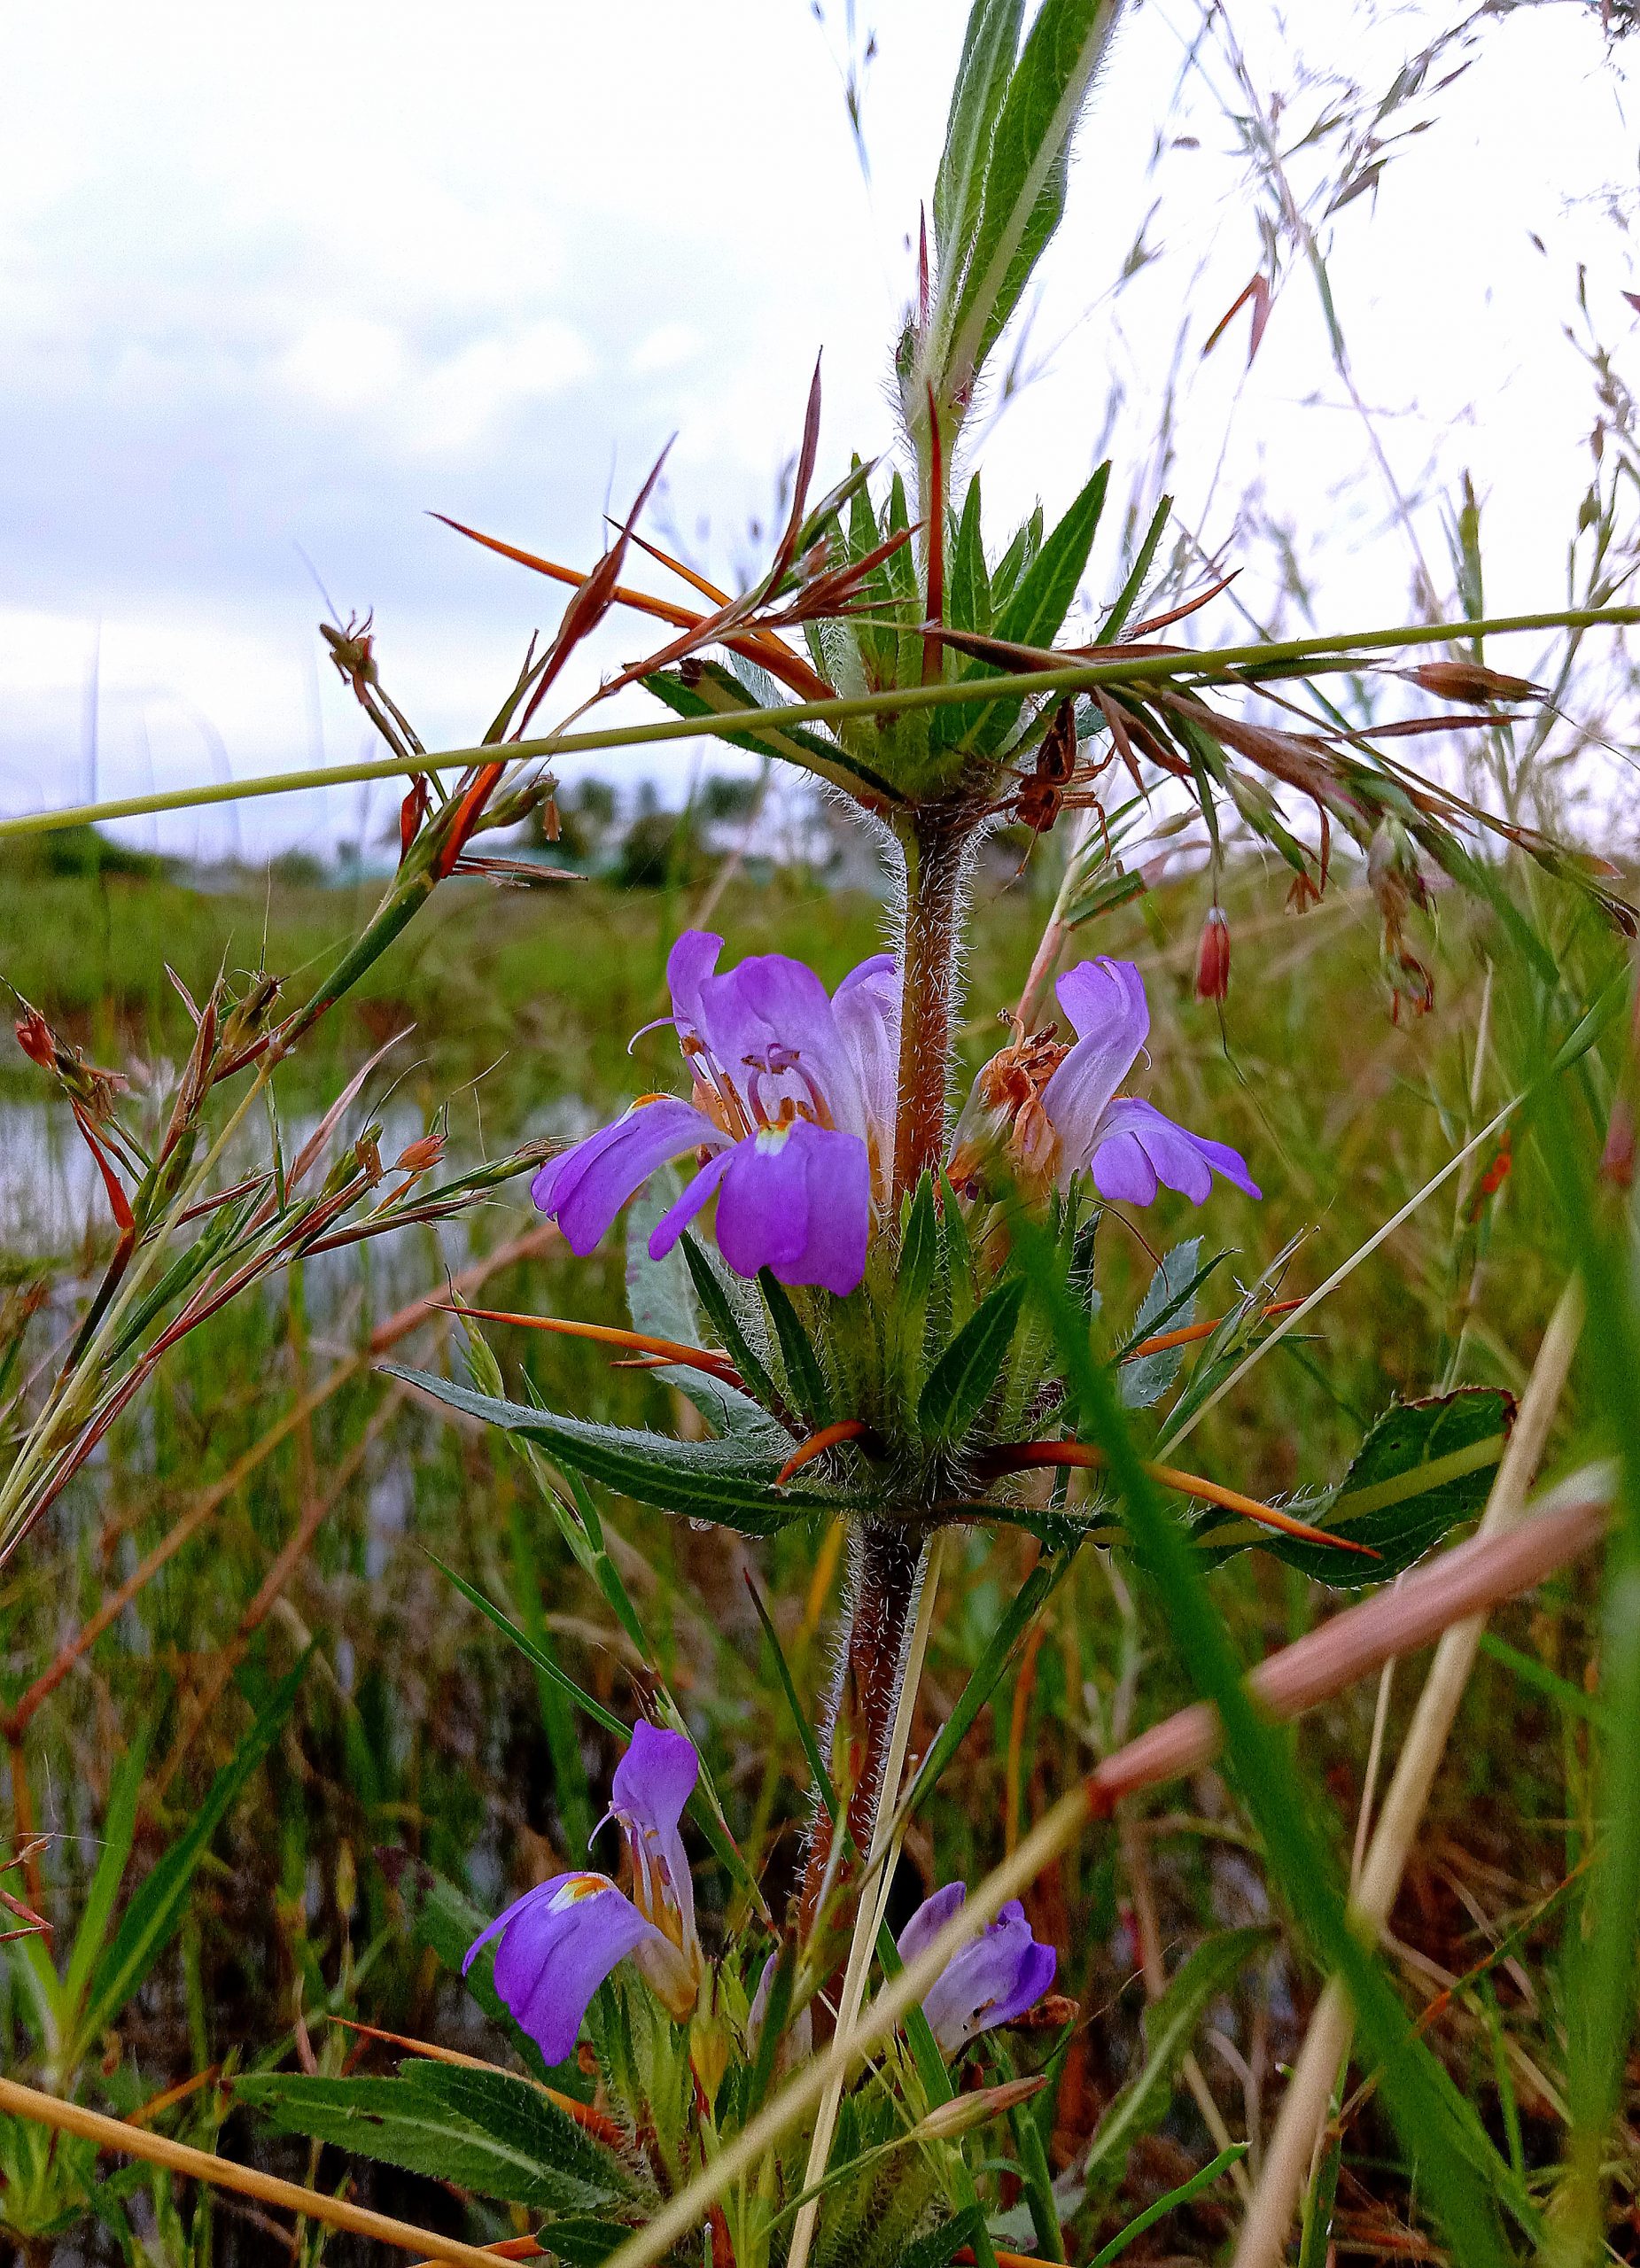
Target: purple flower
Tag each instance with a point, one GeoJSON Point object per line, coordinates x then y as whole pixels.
{"type": "Point", "coordinates": [793, 1112]}
{"type": "Point", "coordinates": [559, 1941]}
{"type": "Point", "coordinates": [1052, 1111]}
{"type": "Point", "coordinates": [994, 1980]}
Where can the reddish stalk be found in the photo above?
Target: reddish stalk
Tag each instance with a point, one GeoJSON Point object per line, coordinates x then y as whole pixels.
{"type": "Point", "coordinates": [846, 1429]}
{"type": "Point", "coordinates": [659, 1350]}
{"type": "Point", "coordinates": [1024, 1456]}
{"type": "Point", "coordinates": [859, 1716]}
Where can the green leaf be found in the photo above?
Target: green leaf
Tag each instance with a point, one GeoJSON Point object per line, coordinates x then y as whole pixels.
{"type": "Point", "coordinates": [728, 1482]}
{"type": "Point", "coordinates": [941, 2244]}
{"type": "Point", "coordinates": [1035, 613]}
{"type": "Point", "coordinates": [118, 1833]}
{"type": "Point", "coordinates": [904, 594]}
{"type": "Point", "coordinates": [1015, 561]}
{"type": "Point", "coordinates": [1127, 598]}
{"type": "Point", "coordinates": [157, 1910]}
{"type": "Point", "coordinates": [804, 1378]}
{"type": "Point", "coordinates": [1024, 197]}
{"type": "Point", "coordinates": [1169, 1305]}
{"type": "Point", "coordinates": [730, 1327]}
{"type": "Point", "coordinates": [960, 1291]}
{"type": "Point", "coordinates": [1203, 2178]}
{"type": "Point", "coordinates": [1459, 2171]}
{"type": "Point", "coordinates": [445, 1918]}
{"type": "Point", "coordinates": [989, 46]}
{"type": "Point", "coordinates": [582, 2243]}
{"type": "Point", "coordinates": [967, 596]}
{"type": "Point", "coordinates": [533, 1652]}
{"type": "Point", "coordinates": [1423, 1467]}
{"type": "Point", "coordinates": [660, 1297]}
{"type": "Point", "coordinates": [412, 2122]}
{"type": "Point", "coordinates": [515, 2113]}
{"type": "Point", "coordinates": [1170, 2025]}
{"type": "Point", "coordinates": [718, 692]}
{"type": "Point", "coordinates": [966, 1374]}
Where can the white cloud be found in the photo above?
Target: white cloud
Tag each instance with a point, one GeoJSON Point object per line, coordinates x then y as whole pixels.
{"type": "Point", "coordinates": [281, 276]}
{"type": "Point", "coordinates": [345, 362]}
{"type": "Point", "coordinates": [667, 347]}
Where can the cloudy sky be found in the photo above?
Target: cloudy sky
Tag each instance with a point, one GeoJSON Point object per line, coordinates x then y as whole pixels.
{"type": "Point", "coordinates": [293, 277]}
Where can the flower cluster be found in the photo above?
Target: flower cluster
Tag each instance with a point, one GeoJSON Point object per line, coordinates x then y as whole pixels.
{"type": "Point", "coordinates": [792, 1117]}
{"type": "Point", "coordinates": [559, 1941]}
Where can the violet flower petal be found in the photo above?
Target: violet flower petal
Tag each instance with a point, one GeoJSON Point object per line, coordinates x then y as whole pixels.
{"type": "Point", "coordinates": [1138, 1145]}
{"type": "Point", "coordinates": [929, 1919]}
{"type": "Point", "coordinates": [690, 962]}
{"type": "Point", "coordinates": [994, 1980]}
{"type": "Point", "coordinates": [1105, 1000]}
{"type": "Point", "coordinates": [558, 1942]}
{"type": "Point", "coordinates": [584, 1189]}
{"type": "Point", "coordinates": [866, 1006]}
{"type": "Point", "coordinates": [677, 1214]}
{"type": "Point", "coordinates": [769, 1025]}
{"type": "Point", "coordinates": [796, 1199]}
{"type": "Point", "coordinates": [653, 1781]}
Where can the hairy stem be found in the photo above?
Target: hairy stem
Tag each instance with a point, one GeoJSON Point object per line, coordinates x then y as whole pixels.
{"type": "Point", "coordinates": [936, 850]}
{"type": "Point", "coordinates": [882, 1591]}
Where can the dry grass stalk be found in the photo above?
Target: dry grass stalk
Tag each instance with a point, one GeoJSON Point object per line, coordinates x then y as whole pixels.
{"type": "Point", "coordinates": [1305, 2107]}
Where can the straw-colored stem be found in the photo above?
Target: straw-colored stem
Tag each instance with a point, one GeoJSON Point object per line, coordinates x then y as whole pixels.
{"type": "Point", "coordinates": [1305, 2107]}
{"type": "Point", "coordinates": [1307, 657]}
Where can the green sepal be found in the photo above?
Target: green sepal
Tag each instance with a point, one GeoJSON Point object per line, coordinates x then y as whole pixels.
{"type": "Point", "coordinates": [805, 1376]}
{"type": "Point", "coordinates": [965, 1377]}
{"type": "Point", "coordinates": [713, 1296]}
{"type": "Point", "coordinates": [968, 597]}
{"type": "Point", "coordinates": [1033, 616]}
{"type": "Point", "coordinates": [718, 692]}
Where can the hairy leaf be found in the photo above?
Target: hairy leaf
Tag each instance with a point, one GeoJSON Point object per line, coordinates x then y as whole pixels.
{"type": "Point", "coordinates": [1169, 1305]}
{"type": "Point", "coordinates": [729, 1482]}
{"type": "Point", "coordinates": [525, 2151]}
{"type": "Point", "coordinates": [1423, 1467]}
{"type": "Point", "coordinates": [964, 1377]}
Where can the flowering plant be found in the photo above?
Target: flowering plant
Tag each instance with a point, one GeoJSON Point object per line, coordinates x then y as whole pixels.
{"type": "Point", "coordinates": [882, 1294]}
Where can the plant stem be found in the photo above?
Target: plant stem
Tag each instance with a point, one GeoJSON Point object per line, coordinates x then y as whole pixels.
{"type": "Point", "coordinates": [1309, 656]}
{"type": "Point", "coordinates": [936, 852]}
{"type": "Point", "coordinates": [882, 1587]}
{"type": "Point", "coordinates": [882, 1852]}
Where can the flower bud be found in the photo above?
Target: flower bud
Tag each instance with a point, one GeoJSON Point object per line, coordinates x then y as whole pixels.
{"type": "Point", "coordinates": [1213, 957]}
{"type": "Point", "coordinates": [950, 2119]}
